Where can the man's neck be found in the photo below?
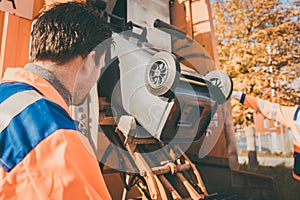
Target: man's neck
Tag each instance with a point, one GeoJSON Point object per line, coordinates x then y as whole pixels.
{"type": "Point", "coordinates": [52, 79]}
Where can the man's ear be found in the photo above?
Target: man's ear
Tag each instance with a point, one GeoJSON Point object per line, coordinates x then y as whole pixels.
{"type": "Point", "coordinates": [91, 57]}
{"type": "Point", "coordinates": [90, 62]}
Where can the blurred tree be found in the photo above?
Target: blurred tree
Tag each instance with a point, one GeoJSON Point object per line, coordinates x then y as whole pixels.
{"type": "Point", "coordinates": [258, 44]}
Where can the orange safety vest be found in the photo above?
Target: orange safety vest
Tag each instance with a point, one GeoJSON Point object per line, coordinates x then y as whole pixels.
{"type": "Point", "coordinates": [42, 154]}
{"type": "Point", "coordinates": [286, 115]}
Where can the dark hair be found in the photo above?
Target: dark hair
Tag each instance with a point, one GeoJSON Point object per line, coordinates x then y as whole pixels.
{"type": "Point", "coordinates": [67, 30]}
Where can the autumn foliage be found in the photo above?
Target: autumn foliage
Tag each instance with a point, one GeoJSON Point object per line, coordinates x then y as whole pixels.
{"type": "Point", "coordinates": [258, 45]}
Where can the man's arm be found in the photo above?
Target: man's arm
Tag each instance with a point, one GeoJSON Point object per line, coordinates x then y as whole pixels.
{"type": "Point", "coordinates": [61, 166]}
{"type": "Point", "coordinates": [274, 111]}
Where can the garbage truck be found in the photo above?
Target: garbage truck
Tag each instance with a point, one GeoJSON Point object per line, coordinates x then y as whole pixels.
{"type": "Point", "coordinates": [156, 116]}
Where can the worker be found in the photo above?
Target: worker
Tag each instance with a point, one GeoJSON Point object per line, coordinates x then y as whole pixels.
{"type": "Point", "coordinates": [42, 153]}
{"type": "Point", "coordinates": [288, 116]}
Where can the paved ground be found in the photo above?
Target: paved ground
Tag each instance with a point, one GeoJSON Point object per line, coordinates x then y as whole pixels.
{"type": "Point", "coordinates": [269, 161]}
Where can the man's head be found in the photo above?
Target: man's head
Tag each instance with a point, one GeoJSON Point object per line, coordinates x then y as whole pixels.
{"type": "Point", "coordinates": [70, 39]}
{"type": "Point", "coordinates": [67, 30]}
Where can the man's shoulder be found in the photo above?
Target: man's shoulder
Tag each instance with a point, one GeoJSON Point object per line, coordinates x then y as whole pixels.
{"type": "Point", "coordinates": [24, 106]}
{"type": "Point", "coordinates": [27, 118]}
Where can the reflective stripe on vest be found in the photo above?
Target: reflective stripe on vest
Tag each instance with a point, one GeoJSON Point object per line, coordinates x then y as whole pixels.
{"type": "Point", "coordinates": [15, 104]}
{"type": "Point", "coordinates": [26, 119]}
{"type": "Point", "coordinates": [271, 108]}
{"type": "Point", "coordinates": [8, 89]}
